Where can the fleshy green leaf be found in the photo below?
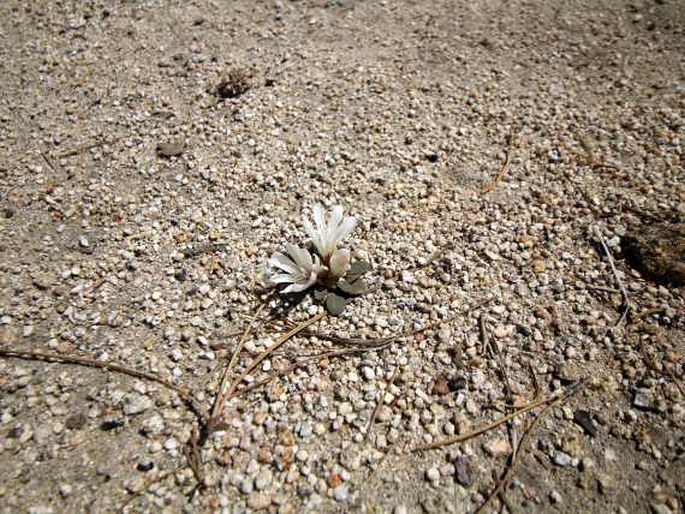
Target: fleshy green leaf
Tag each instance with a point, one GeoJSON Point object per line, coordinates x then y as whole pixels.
{"type": "Point", "coordinates": [320, 294]}
{"type": "Point", "coordinates": [359, 268]}
{"type": "Point", "coordinates": [335, 304]}
{"type": "Point", "coordinates": [352, 288]}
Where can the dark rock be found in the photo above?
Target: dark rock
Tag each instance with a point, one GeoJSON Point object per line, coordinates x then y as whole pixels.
{"type": "Point", "coordinates": [235, 83]}
{"type": "Point", "coordinates": [105, 474]}
{"type": "Point", "coordinates": [464, 471]}
{"type": "Point", "coordinates": [76, 421]}
{"type": "Point", "coordinates": [335, 304]}
{"type": "Point", "coordinates": [15, 432]}
{"type": "Point", "coordinates": [112, 422]}
{"type": "Point", "coordinates": [443, 384]}
{"type": "Point", "coordinates": [145, 465]}
{"type": "Point", "coordinates": [440, 385]}
{"type": "Point", "coordinates": [658, 252]}
{"type": "Point", "coordinates": [584, 419]}
{"type": "Point", "coordinates": [457, 383]}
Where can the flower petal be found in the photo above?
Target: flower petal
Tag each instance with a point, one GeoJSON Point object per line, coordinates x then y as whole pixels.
{"type": "Point", "coordinates": [300, 286]}
{"type": "Point", "coordinates": [319, 218]}
{"type": "Point", "coordinates": [340, 262]}
{"type": "Point", "coordinates": [283, 262]}
{"type": "Point", "coordinates": [325, 231]}
{"type": "Point", "coordinates": [293, 288]}
{"type": "Point", "coordinates": [344, 229]}
{"type": "Point", "coordinates": [309, 229]}
{"type": "Point", "coordinates": [302, 257]}
{"type": "Point", "coordinates": [281, 278]}
{"type": "Point", "coordinates": [336, 218]}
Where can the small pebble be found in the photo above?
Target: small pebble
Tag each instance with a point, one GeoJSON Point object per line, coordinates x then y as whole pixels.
{"type": "Point", "coordinates": [561, 458]}
{"type": "Point", "coordinates": [432, 474]}
{"type": "Point", "coordinates": [497, 447]}
{"type": "Point", "coordinates": [368, 373]}
{"type": "Point", "coordinates": [340, 493]}
{"type": "Point", "coordinates": [555, 497]}
{"type": "Point", "coordinates": [259, 501]}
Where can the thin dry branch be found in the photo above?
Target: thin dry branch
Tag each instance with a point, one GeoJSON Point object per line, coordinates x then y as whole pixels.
{"type": "Point", "coordinates": [622, 288]}
{"type": "Point", "coordinates": [372, 419]}
{"type": "Point", "coordinates": [516, 457]}
{"type": "Point", "coordinates": [495, 353]}
{"type": "Point", "coordinates": [505, 165]}
{"type": "Point", "coordinates": [301, 361]}
{"type": "Point", "coordinates": [230, 393]}
{"type": "Point", "coordinates": [486, 428]}
{"type": "Point", "coordinates": [84, 148]}
{"type": "Point", "coordinates": [194, 458]}
{"type": "Point", "coordinates": [38, 355]}
{"type": "Point", "coordinates": [219, 399]}
{"type": "Point", "coordinates": [350, 341]}
{"type": "Point", "coordinates": [502, 371]}
{"type": "Point", "coordinates": [346, 351]}
{"type": "Point", "coordinates": [647, 312]}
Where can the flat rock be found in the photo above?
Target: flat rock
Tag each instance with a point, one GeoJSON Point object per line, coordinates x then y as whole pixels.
{"type": "Point", "coordinates": [172, 148]}
{"type": "Point", "coordinates": [464, 471]}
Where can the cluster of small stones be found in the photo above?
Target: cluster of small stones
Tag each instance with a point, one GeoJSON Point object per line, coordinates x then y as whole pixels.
{"type": "Point", "coordinates": [144, 248]}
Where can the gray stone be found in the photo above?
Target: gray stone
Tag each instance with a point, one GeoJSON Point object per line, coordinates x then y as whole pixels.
{"type": "Point", "coordinates": [561, 459]}
{"type": "Point", "coordinates": [464, 471]}
{"type": "Point", "coordinates": [136, 404]}
{"type": "Point", "coordinates": [643, 399]}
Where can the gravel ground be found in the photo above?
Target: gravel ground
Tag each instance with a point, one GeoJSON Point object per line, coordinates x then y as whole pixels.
{"type": "Point", "coordinates": [153, 154]}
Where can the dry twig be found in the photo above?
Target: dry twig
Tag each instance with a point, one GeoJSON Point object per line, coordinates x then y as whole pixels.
{"type": "Point", "coordinates": [486, 428]}
{"type": "Point", "coordinates": [372, 420]}
{"type": "Point", "coordinates": [231, 392]}
{"type": "Point", "coordinates": [505, 165]}
{"type": "Point", "coordinates": [622, 288]}
{"type": "Point", "coordinates": [509, 396]}
{"type": "Point", "coordinates": [84, 148]}
{"type": "Point", "coordinates": [38, 355]}
{"type": "Point", "coordinates": [516, 456]}
{"type": "Point", "coordinates": [220, 399]}
{"type": "Point", "coordinates": [647, 312]}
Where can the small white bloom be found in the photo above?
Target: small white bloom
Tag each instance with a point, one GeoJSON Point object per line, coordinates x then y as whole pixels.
{"type": "Point", "coordinates": [339, 262]}
{"type": "Point", "coordinates": [298, 268]}
{"type": "Point", "coordinates": [326, 234]}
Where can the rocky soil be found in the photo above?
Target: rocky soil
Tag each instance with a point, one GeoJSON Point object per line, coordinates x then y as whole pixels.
{"type": "Point", "coordinates": [504, 159]}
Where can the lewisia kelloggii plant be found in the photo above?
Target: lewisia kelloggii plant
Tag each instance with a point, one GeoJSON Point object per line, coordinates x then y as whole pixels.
{"type": "Point", "coordinates": [322, 264]}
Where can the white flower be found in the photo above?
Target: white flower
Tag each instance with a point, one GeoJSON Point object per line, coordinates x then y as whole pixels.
{"type": "Point", "coordinates": [326, 234]}
{"type": "Point", "coordinates": [298, 269]}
